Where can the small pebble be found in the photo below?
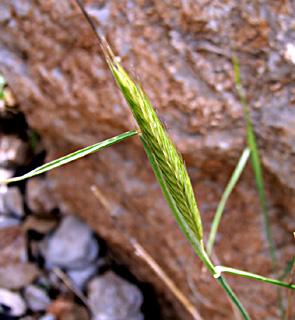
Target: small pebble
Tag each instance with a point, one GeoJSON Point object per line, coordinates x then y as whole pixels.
{"type": "Point", "coordinates": [111, 297]}
{"type": "Point", "coordinates": [13, 151]}
{"type": "Point", "coordinates": [17, 275]}
{"type": "Point", "coordinates": [6, 222]}
{"type": "Point", "coordinates": [72, 245]}
{"type": "Point", "coordinates": [65, 309]}
{"type": "Point", "coordinates": [81, 276]}
{"type": "Point", "coordinates": [39, 197]}
{"type": "Point", "coordinates": [12, 245]}
{"type": "Point", "coordinates": [40, 225]}
{"type": "Point", "coordinates": [13, 202]}
{"type": "Point", "coordinates": [37, 298]}
{"type": "Point", "coordinates": [11, 303]}
{"type": "Point", "coordinates": [5, 174]}
{"type": "Point", "coordinates": [48, 316]}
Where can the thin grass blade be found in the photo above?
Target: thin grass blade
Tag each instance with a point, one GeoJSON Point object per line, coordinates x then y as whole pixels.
{"type": "Point", "coordinates": [255, 159]}
{"type": "Point", "coordinates": [254, 276]}
{"type": "Point", "coordinates": [2, 85]}
{"type": "Point", "coordinates": [287, 270]}
{"type": "Point", "coordinates": [231, 184]}
{"type": "Point", "coordinates": [233, 297]}
{"type": "Point", "coordinates": [71, 157]}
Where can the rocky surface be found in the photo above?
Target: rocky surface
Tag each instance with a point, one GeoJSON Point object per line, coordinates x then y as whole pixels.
{"type": "Point", "coordinates": [182, 53]}
{"type": "Point", "coordinates": [37, 240]}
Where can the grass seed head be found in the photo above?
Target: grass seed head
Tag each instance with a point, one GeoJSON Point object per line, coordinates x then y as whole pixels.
{"type": "Point", "coordinates": [168, 159]}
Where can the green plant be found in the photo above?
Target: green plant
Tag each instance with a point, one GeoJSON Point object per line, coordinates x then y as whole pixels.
{"type": "Point", "coordinates": [2, 85]}
{"type": "Point", "coordinates": [255, 159]}
{"type": "Point", "coordinates": [169, 170]}
{"type": "Point", "coordinates": [227, 191]}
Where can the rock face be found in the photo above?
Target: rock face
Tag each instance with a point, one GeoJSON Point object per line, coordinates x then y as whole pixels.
{"type": "Point", "coordinates": [182, 52]}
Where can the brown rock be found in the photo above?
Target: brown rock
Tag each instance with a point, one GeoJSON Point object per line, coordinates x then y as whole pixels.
{"type": "Point", "coordinates": [67, 310]}
{"type": "Point", "coordinates": [15, 271]}
{"type": "Point", "coordinates": [39, 197]}
{"type": "Point", "coordinates": [17, 275]}
{"type": "Point", "coordinates": [38, 224]}
{"type": "Point", "coordinates": [8, 235]}
{"type": "Point", "coordinates": [13, 151]}
{"type": "Point", "coordinates": [13, 202]}
{"type": "Point", "coordinates": [182, 52]}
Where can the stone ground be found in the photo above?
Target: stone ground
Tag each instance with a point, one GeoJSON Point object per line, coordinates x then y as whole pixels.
{"type": "Point", "coordinates": [53, 266]}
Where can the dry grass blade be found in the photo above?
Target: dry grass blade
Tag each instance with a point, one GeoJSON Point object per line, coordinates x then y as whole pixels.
{"type": "Point", "coordinates": [145, 256]}
{"type": "Point", "coordinates": [69, 283]}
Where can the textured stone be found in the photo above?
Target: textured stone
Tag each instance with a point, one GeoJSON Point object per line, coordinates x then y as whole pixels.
{"type": "Point", "coordinates": [13, 202]}
{"type": "Point", "coordinates": [13, 151]}
{"type": "Point", "coordinates": [13, 303]}
{"type": "Point", "coordinates": [6, 221]}
{"type": "Point", "coordinates": [5, 174]}
{"type": "Point", "coordinates": [182, 52]}
{"type": "Point", "coordinates": [15, 271]}
{"type": "Point", "coordinates": [48, 316]}
{"type": "Point", "coordinates": [40, 225]}
{"type": "Point", "coordinates": [12, 245]}
{"type": "Point", "coordinates": [67, 310]}
{"type": "Point", "coordinates": [39, 197]}
{"type": "Point", "coordinates": [71, 246]}
{"type": "Point", "coordinates": [81, 276]}
{"type": "Point", "coordinates": [111, 297]}
{"type": "Point", "coordinates": [17, 275]}
{"type": "Point", "coordinates": [37, 298]}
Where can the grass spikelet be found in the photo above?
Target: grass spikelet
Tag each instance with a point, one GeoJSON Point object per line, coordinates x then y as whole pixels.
{"type": "Point", "coordinates": [170, 162]}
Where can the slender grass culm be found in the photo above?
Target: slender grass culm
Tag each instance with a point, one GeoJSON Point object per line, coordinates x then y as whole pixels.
{"type": "Point", "coordinates": [227, 191]}
{"type": "Point", "coordinates": [255, 159]}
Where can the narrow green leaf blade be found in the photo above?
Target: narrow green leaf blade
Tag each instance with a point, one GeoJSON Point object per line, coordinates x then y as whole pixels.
{"type": "Point", "coordinates": [71, 157]}
{"type": "Point", "coordinates": [231, 184]}
{"type": "Point", "coordinates": [254, 276]}
{"type": "Point", "coordinates": [234, 298]}
{"type": "Point", "coordinates": [288, 269]}
{"type": "Point", "coordinates": [255, 159]}
{"type": "Point", "coordinates": [255, 162]}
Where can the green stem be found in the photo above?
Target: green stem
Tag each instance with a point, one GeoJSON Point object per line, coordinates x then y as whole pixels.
{"type": "Point", "coordinates": [254, 276]}
{"type": "Point", "coordinates": [196, 244]}
{"type": "Point", "coordinates": [255, 159]}
{"type": "Point", "coordinates": [231, 184]}
{"type": "Point", "coordinates": [255, 162]}
{"type": "Point", "coordinates": [233, 297]}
